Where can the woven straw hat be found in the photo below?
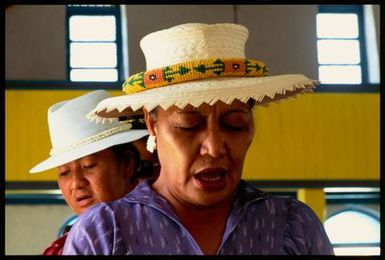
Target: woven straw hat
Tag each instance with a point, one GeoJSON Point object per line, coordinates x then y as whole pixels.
{"type": "Point", "coordinates": [73, 136]}
{"type": "Point", "coordinates": [198, 63]}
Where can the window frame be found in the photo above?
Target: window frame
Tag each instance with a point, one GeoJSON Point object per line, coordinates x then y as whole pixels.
{"type": "Point", "coordinates": [365, 85]}
{"type": "Point", "coordinates": [96, 11]}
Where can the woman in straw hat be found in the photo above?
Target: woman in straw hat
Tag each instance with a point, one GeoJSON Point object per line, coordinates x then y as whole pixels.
{"type": "Point", "coordinates": [197, 95]}
{"type": "Point", "coordinates": [95, 162]}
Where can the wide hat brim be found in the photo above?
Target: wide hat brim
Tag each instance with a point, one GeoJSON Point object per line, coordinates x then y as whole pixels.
{"type": "Point", "coordinates": [66, 157]}
{"type": "Point", "coordinates": [211, 90]}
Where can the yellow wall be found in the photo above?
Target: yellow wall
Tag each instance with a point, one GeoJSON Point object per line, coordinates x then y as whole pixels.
{"type": "Point", "coordinates": [330, 136]}
{"type": "Point", "coordinates": [316, 136]}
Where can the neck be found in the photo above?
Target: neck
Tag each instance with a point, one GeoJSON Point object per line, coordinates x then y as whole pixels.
{"type": "Point", "coordinates": [206, 224]}
{"type": "Point", "coordinates": [202, 215]}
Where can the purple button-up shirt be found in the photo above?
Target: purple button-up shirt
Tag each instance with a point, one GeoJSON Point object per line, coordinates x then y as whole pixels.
{"type": "Point", "coordinates": [144, 223]}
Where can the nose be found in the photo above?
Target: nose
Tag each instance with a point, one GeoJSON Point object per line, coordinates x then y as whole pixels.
{"type": "Point", "coordinates": [213, 143]}
{"type": "Point", "coordinates": [78, 180]}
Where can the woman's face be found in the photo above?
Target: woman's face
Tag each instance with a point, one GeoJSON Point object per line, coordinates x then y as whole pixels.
{"type": "Point", "coordinates": [201, 151]}
{"type": "Point", "coordinates": [94, 178]}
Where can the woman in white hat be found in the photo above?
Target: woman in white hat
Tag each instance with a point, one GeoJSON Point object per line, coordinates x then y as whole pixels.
{"type": "Point", "coordinates": [95, 162]}
{"type": "Point", "coordinates": [197, 95]}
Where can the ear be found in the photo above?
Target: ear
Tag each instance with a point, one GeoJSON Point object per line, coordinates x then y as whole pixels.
{"type": "Point", "coordinates": [150, 122]}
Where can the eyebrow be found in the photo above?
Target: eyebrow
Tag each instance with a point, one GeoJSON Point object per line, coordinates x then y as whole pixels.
{"type": "Point", "coordinates": [188, 112]}
{"type": "Point", "coordinates": [196, 112]}
{"type": "Point", "coordinates": [236, 111]}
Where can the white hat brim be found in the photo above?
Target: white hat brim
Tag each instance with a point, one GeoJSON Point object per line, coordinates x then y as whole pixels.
{"type": "Point", "coordinates": [63, 158]}
{"type": "Point", "coordinates": [195, 93]}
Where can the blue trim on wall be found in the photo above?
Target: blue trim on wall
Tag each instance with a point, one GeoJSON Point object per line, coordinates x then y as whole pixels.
{"type": "Point", "coordinates": [28, 192]}
{"type": "Point", "coordinates": [331, 198]}
{"type": "Point", "coordinates": [356, 197]}
{"type": "Point", "coordinates": [34, 199]}
{"type": "Point", "coordinates": [31, 185]}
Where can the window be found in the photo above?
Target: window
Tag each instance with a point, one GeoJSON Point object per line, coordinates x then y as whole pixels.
{"type": "Point", "coordinates": [354, 232]}
{"type": "Point", "coordinates": [353, 224]}
{"type": "Point", "coordinates": [341, 45]}
{"type": "Point", "coordinates": [93, 43]}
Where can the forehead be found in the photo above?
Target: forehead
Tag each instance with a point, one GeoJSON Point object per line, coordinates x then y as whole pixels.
{"type": "Point", "coordinates": [94, 156]}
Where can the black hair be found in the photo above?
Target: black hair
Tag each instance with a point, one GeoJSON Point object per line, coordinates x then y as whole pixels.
{"type": "Point", "coordinates": [251, 102]}
{"type": "Point", "coordinates": [120, 152]}
{"type": "Point", "coordinates": [137, 122]}
{"type": "Point", "coordinates": [127, 151]}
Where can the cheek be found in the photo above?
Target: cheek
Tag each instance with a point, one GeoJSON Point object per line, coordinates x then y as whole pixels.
{"type": "Point", "coordinates": [102, 190]}
{"type": "Point", "coordinates": [239, 147]}
{"type": "Point", "coordinates": [64, 186]}
{"type": "Point", "coordinates": [175, 150]}
{"type": "Point", "coordinates": [108, 184]}
{"type": "Point", "coordinates": [104, 181]}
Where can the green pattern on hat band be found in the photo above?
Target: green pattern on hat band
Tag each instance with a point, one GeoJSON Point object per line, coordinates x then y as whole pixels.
{"type": "Point", "coordinates": [193, 70]}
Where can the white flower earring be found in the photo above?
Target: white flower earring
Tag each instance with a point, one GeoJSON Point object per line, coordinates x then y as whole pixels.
{"type": "Point", "coordinates": [151, 143]}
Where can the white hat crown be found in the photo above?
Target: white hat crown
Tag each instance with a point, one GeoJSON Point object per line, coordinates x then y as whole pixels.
{"type": "Point", "coordinates": [193, 41]}
{"type": "Point", "coordinates": [67, 120]}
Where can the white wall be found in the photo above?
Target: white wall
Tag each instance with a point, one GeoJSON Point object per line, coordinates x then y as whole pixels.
{"type": "Point", "coordinates": [35, 42]}
{"type": "Point", "coordinates": [282, 36]}
{"type": "Point", "coordinates": [29, 229]}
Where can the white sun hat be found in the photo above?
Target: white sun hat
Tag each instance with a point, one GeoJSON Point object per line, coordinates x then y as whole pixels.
{"type": "Point", "coordinates": [73, 136]}
{"type": "Point", "coordinates": [197, 63]}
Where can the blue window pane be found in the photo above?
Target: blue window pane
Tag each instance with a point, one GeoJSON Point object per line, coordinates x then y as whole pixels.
{"type": "Point", "coordinates": [94, 75]}
{"type": "Point", "coordinates": [93, 55]}
{"type": "Point", "coordinates": [92, 28]}
{"type": "Point", "coordinates": [340, 74]}
{"type": "Point", "coordinates": [338, 51]}
{"type": "Point", "coordinates": [337, 25]}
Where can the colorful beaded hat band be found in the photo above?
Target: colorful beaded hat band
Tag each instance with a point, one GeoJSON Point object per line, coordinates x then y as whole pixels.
{"type": "Point", "coordinates": [193, 70]}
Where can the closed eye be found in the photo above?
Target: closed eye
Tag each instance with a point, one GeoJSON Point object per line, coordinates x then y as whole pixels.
{"type": "Point", "coordinates": [64, 173]}
{"type": "Point", "coordinates": [234, 128]}
{"type": "Point", "coordinates": [89, 166]}
{"type": "Point", "coordinates": [236, 121]}
{"type": "Point", "coordinates": [189, 128]}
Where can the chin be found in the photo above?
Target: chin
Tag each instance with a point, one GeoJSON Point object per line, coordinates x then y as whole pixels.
{"type": "Point", "coordinates": [79, 211]}
{"type": "Point", "coordinates": [213, 198]}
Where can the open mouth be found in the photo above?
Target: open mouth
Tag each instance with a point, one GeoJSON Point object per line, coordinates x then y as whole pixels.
{"type": "Point", "coordinates": [211, 178]}
{"type": "Point", "coordinates": [84, 200]}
